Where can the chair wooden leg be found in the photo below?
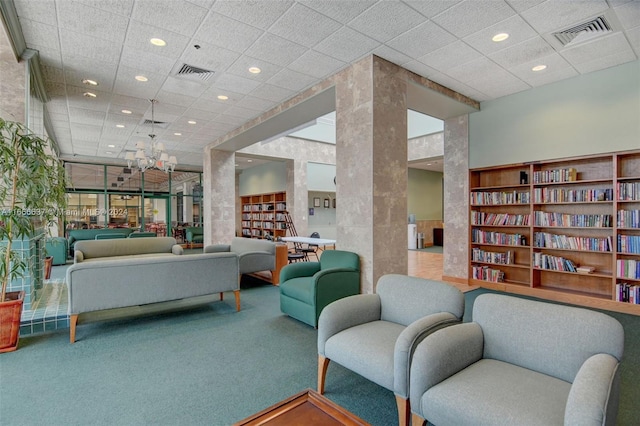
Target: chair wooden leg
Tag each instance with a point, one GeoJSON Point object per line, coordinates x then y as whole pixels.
{"type": "Point", "coordinates": [73, 321]}
{"type": "Point", "coordinates": [416, 420]}
{"type": "Point", "coordinates": [221, 296]}
{"type": "Point", "coordinates": [236, 294]}
{"type": "Point", "coordinates": [323, 363]}
{"type": "Point", "coordinates": [403, 410]}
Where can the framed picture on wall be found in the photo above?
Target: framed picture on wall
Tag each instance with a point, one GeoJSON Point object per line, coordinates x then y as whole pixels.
{"type": "Point", "coordinates": [316, 202]}
{"type": "Point", "coordinates": [326, 203]}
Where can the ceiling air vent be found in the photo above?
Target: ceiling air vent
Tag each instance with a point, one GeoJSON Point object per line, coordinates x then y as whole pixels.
{"type": "Point", "coordinates": [194, 73]}
{"type": "Point", "coordinates": [596, 27]}
{"type": "Point", "coordinates": [156, 123]}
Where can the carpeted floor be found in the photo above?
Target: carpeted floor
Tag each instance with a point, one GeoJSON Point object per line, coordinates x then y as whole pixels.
{"type": "Point", "coordinates": [205, 364]}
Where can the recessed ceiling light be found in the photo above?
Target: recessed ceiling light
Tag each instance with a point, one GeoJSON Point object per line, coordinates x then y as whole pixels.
{"type": "Point", "coordinates": [158, 42]}
{"type": "Point", "coordinates": [191, 122]}
{"type": "Point", "coordinates": [500, 37]}
{"type": "Point", "coordinates": [120, 126]}
{"type": "Point", "coordinates": [249, 161]}
{"type": "Point", "coordinates": [141, 78]}
{"type": "Point", "coordinates": [89, 94]}
{"type": "Point", "coordinates": [108, 152]}
{"type": "Point", "coordinates": [255, 70]}
{"type": "Point", "coordinates": [539, 68]}
{"type": "Point", "coordinates": [111, 146]}
{"type": "Point", "coordinates": [178, 134]}
{"type": "Point", "coordinates": [90, 82]}
{"type": "Point", "coordinates": [223, 97]}
{"type": "Point", "coordinates": [126, 111]}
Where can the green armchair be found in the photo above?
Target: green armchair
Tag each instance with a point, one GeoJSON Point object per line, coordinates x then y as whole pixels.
{"type": "Point", "coordinates": [307, 287]}
{"type": "Point", "coordinates": [194, 235]}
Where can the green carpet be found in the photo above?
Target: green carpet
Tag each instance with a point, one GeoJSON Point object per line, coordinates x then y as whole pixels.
{"type": "Point", "coordinates": [206, 365]}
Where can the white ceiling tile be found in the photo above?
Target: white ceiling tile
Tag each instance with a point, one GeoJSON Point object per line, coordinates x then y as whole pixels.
{"type": "Point", "coordinates": [53, 74]}
{"type": "Point", "coordinates": [255, 104]}
{"type": "Point", "coordinates": [209, 105]}
{"type": "Point", "coordinates": [291, 80]}
{"type": "Point", "coordinates": [243, 114]}
{"type": "Point", "coordinates": [431, 8]}
{"type": "Point", "coordinates": [89, 47]}
{"type": "Point", "coordinates": [419, 68]}
{"type": "Point", "coordinates": [175, 98]}
{"type": "Point", "coordinates": [120, 7]}
{"type": "Point", "coordinates": [527, 51]}
{"type": "Point", "coordinates": [260, 14]}
{"type": "Point", "coordinates": [272, 93]}
{"type": "Point", "coordinates": [227, 33]}
{"type": "Point", "coordinates": [139, 34]}
{"type": "Point", "coordinates": [43, 11]}
{"type": "Point", "coordinates": [183, 86]}
{"type": "Point", "coordinates": [633, 36]}
{"type": "Point", "coordinates": [86, 134]}
{"type": "Point", "coordinates": [135, 105]}
{"type": "Point", "coordinates": [457, 86]}
{"type": "Point", "coordinates": [515, 26]}
{"type": "Point", "coordinates": [82, 19]}
{"type": "Point", "coordinates": [450, 56]}
{"type": "Point", "coordinates": [522, 5]}
{"type": "Point", "coordinates": [86, 116]}
{"type": "Point", "coordinates": [316, 64]}
{"type": "Point", "coordinates": [470, 71]}
{"type": "Point", "coordinates": [304, 26]}
{"type": "Point", "coordinates": [341, 11]}
{"type": "Point", "coordinates": [276, 50]}
{"type": "Point", "coordinates": [386, 20]}
{"type": "Point", "coordinates": [629, 14]}
{"type": "Point", "coordinates": [177, 16]}
{"type": "Point", "coordinates": [200, 116]}
{"type": "Point", "coordinates": [423, 39]}
{"type": "Point", "coordinates": [346, 45]}
{"type": "Point", "coordinates": [212, 93]}
{"type": "Point", "coordinates": [555, 63]}
{"type": "Point", "coordinates": [617, 57]}
{"type": "Point", "coordinates": [103, 77]}
{"type": "Point", "coordinates": [242, 65]}
{"type": "Point", "coordinates": [471, 16]}
{"type": "Point", "coordinates": [542, 78]}
{"type": "Point", "coordinates": [57, 106]}
{"type": "Point", "coordinates": [209, 56]}
{"type": "Point", "coordinates": [126, 84]}
{"type": "Point", "coordinates": [391, 55]}
{"type": "Point", "coordinates": [602, 46]}
{"type": "Point", "coordinates": [236, 84]}
{"type": "Point", "coordinates": [146, 61]}
{"type": "Point", "coordinates": [43, 35]}
{"type": "Point", "coordinates": [553, 15]}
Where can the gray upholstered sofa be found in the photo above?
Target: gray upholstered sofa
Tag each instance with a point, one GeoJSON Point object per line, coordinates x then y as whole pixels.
{"type": "Point", "coordinates": [520, 362]}
{"type": "Point", "coordinates": [76, 235]}
{"type": "Point", "coordinates": [122, 277]}
{"type": "Point", "coordinates": [253, 255]}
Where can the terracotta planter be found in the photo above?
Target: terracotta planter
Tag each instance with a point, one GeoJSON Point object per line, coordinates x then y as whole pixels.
{"type": "Point", "coordinates": [10, 312]}
{"type": "Point", "coordinates": [48, 264]}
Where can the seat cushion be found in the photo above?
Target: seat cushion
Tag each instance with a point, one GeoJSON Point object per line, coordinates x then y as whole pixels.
{"type": "Point", "coordinates": [492, 392]}
{"type": "Point", "coordinates": [301, 288]}
{"type": "Point", "coordinates": [367, 349]}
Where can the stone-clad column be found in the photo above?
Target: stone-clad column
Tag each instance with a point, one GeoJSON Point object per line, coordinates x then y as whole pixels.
{"type": "Point", "coordinates": [297, 195]}
{"type": "Point", "coordinates": [219, 192]}
{"type": "Point", "coordinates": [371, 167]}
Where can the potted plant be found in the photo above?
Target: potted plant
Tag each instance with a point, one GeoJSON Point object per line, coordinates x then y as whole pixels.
{"type": "Point", "coordinates": [32, 192]}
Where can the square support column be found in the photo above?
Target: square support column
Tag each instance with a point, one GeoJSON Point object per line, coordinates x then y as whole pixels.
{"type": "Point", "coordinates": [371, 167]}
{"type": "Point", "coordinates": [219, 196]}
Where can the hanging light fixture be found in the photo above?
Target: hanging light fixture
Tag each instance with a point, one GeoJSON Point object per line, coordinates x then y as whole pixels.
{"type": "Point", "coordinates": [157, 158]}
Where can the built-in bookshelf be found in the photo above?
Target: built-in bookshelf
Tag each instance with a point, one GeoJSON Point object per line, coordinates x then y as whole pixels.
{"type": "Point", "coordinates": [566, 229]}
{"type": "Point", "coordinates": [264, 214]}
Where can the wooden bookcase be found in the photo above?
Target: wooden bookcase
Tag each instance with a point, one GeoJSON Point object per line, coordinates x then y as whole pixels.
{"type": "Point", "coordinates": [534, 227]}
{"type": "Point", "coordinates": [264, 214]}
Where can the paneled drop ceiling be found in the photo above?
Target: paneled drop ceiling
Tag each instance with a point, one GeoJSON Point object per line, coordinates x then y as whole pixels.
{"type": "Point", "coordinates": [295, 44]}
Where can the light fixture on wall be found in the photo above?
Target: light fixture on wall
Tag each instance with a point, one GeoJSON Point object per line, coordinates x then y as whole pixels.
{"type": "Point", "coordinates": [157, 158]}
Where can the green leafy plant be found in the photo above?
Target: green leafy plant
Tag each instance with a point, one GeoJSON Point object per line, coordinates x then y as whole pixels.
{"type": "Point", "coordinates": [32, 193]}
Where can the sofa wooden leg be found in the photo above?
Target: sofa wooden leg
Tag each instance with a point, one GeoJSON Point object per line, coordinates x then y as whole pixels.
{"type": "Point", "coordinates": [403, 410]}
{"type": "Point", "coordinates": [73, 321]}
{"type": "Point", "coordinates": [323, 364]}
{"type": "Point", "coordinates": [221, 296]}
{"type": "Point", "coordinates": [416, 420]}
{"type": "Point", "coordinates": [236, 294]}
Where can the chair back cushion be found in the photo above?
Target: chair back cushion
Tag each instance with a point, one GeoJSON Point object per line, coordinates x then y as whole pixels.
{"type": "Point", "coordinates": [405, 299]}
{"type": "Point", "coordinates": [549, 338]}
{"type": "Point", "coordinates": [339, 259]}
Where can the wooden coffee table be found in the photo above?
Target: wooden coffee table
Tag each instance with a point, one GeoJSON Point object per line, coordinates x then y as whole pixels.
{"type": "Point", "coordinates": [307, 408]}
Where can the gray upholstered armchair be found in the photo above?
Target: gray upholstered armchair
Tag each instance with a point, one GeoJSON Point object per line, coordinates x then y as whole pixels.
{"type": "Point", "coordinates": [374, 335]}
{"type": "Point", "coordinates": [520, 362]}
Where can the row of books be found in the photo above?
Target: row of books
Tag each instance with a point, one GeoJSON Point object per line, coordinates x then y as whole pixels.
{"type": "Point", "coordinates": [479, 255]}
{"type": "Point", "coordinates": [559, 195]}
{"type": "Point", "coordinates": [492, 198]}
{"type": "Point", "coordinates": [553, 263]}
{"type": "Point", "coordinates": [628, 218]}
{"type": "Point", "coordinates": [548, 240]}
{"type": "Point", "coordinates": [628, 268]}
{"type": "Point", "coordinates": [265, 225]}
{"type": "Point", "coordinates": [265, 207]}
{"type": "Point", "coordinates": [487, 274]}
{"type": "Point", "coordinates": [629, 244]}
{"type": "Point", "coordinates": [486, 237]}
{"type": "Point", "coordinates": [628, 293]}
{"type": "Point", "coordinates": [497, 219]}
{"type": "Point", "coordinates": [574, 220]}
{"type": "Point", "coordinates": [628, 191]}
{"type": "Point", "coordinates": [556, 175]}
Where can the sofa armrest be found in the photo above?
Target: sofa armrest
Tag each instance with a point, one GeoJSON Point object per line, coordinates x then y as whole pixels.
{"type": "Point", "coordinates": [217, 248]}
{"type": "Point", "coordinates": [441, 355]}
{"type": "Point", "coordinates": [297, 270]}
{"type": "Point", "coordinates": [177, 249]}
{"type": "Point", "coordinates": [78, 256]}
{"type": "Point", "coordinates": [256, 261]}
{"type": "Point", "coordinates": [346, 313]}
{"type": "Point", "coordinates": [593, 398]}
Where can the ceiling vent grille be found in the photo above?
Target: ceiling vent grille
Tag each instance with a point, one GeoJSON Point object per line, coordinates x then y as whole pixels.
{"type": "Point", "coordinates": [156, 123]}
{"type": "Point", "coordinates": [596, 27]}
{"type": "Point", "coordinates": [194, 73]}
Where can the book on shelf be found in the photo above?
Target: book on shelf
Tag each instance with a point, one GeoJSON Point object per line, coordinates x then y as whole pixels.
{"type": "Point", "coordinates": [583, 269]}
{"type": "Point", "coordinates": [629, 293]}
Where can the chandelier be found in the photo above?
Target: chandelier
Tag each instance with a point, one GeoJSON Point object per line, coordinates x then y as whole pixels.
{"type": "Point", "coordinates": [157, 158]}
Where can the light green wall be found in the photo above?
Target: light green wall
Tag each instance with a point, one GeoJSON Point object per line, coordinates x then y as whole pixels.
{"type": "Point", "coordinates": [320, 177]}
{"type": "Point", "coordinates": [424, 194]}
{"type": "Point", "coordinates": [269, 177]}
{"type": "Point", "coordinates": [589, 114]}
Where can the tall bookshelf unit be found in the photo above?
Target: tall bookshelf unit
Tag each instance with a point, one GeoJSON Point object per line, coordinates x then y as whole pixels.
{"type": "Point", "coordinates": [565, 230]}
{"type": "Point", "coordinates": [264, 214]}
